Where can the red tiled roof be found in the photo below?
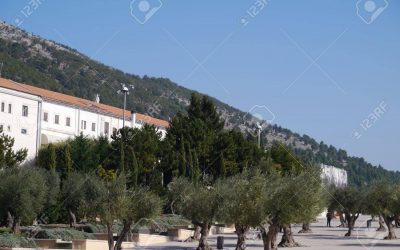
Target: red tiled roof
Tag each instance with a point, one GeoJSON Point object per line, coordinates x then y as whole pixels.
{"type": "Point", "coordinates": [83, 103]}
{"type": "Point", "coordinates": [152, 120]}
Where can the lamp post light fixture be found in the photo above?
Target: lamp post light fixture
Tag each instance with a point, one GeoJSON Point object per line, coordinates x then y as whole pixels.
{"type": "Point", "coordinates": [259, 128]}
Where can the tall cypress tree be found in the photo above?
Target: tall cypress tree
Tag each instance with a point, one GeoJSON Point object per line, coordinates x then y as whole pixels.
{"type": "Point", "coordinates": [189, 165]}
{"type": "Point", "coordinates": [196, 168]}
{"type": "Point", "coordinates": [134, 170]}
{"type": "Point", "coordinates": [220, 168]}
{"type": "Point", "coordinates": [183, 160]}
{"type": "Point", "coordinates": [52, 157]}
{"type": "Point", "coordinates": [68, 164]}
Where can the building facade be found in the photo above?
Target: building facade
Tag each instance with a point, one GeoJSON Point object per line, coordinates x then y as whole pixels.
{"type": "Point", "coordinates": [35, 116]}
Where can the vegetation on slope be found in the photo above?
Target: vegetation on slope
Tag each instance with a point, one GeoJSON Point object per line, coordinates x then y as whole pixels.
{"type": "Point", "coordinates": [30, 59]}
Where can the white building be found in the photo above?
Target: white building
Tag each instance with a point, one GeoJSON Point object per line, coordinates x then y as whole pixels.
{"type": "Point", "coordinates": [334, 176]}
{"type": "Point", "coordinates": [35, 116]}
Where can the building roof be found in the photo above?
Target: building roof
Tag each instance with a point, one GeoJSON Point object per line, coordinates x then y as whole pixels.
{"type": "Point", "coordinates": [93, 106]}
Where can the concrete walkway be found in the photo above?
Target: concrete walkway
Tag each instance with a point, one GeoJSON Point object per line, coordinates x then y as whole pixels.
{"type": "Point", "coordinates": [321, 238]}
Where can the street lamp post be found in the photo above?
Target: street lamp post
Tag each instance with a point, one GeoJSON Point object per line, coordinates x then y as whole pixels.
{"type": "Point", "coordinates": [259, 128]}
{"type": "Point", "coordinates": [1, 67]}
{"type": "Point", "coordinates": [125, 91]}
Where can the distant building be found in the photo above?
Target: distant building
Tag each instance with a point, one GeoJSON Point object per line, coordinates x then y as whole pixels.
{"type": "Point", "coordinates": [35, 116]}
{"type": "Point", "coordinates": [334, 176]}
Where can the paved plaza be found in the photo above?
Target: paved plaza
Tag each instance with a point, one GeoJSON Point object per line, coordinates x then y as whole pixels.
{"type": "Point", "coordinates": [321, 238]}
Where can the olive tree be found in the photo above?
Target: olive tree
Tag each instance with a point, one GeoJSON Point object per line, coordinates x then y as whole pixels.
{"type": "Point", "coordinates": [242, 203]}
{"type": "Point", "coordinates": [117, 203]}
{"type": "Point", "coordinates": [80, 194]}
{"type": "Point", "coordinates": [72, 195]}
{"type": "Point", "coordinates": [22, 196]}
{"type": "Point", "coordinates": [139, 206]}
{"type": "Point", "coordinates": [177, 191]}
{"type": "Point", "coordinates": [351, 202]}
{"type": "Point", "coordinates": [112, 202]}
{"type": "Point", "coordinates": [51, 209]}
{"type": "Point", "coordinates": [200, 203]}
{"type": "Point", "coordinates": [384, 200]}
{"type": "Point", "coordinates": [295, 199]}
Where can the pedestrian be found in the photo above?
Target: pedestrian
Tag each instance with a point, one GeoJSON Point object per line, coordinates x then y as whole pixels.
{"type": "Point", "coordinates": [328, 219]}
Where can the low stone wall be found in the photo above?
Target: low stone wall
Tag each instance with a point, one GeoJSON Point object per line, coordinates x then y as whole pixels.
{"type": "Point", "coordinates": [146, 239]}
{"type": "Point", "coordinates": [97, 245]}
{"type": "Point", "coordinates": [46, 244]}
{"type": "Point", "coordinates": [5, 248]}
{"type": "Point", "coordinates": [102, 236]}
{"type": "Point", "coordinates": [178, 234]}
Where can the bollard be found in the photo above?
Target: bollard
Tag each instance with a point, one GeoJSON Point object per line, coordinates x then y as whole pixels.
{"type": "Point", "coordinates": [369, 224]}
{"type": "Point", "coordinates": [220, 242]}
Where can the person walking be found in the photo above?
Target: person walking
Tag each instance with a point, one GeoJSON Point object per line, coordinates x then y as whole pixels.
{"type": "Point", "coordinates": [328, 219]}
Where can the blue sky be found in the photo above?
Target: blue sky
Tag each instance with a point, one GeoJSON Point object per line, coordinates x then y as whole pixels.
{"type": "Point", "coordinates": [321, 68]}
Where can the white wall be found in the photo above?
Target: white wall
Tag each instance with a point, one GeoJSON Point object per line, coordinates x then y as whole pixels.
{"type": "Point", "coordinates": [14, 122]}
{"type": "Point", "coordinates": [41, 132]}
{"type": "Point", "coordinates": [58, 132]}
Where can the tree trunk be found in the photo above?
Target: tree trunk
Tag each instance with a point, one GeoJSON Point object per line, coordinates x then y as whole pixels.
{"type": "Point", "coordinates": [349, 226]}
{"type": "Point", "coordinates": [269, 237]}
{"type": "Point", "coordinates": [203, 242]}
{"type": "Point", "coordinates": [305, 229]}
{"type": "Point", "coordinates": [16, 226]}
{"type": "Point", "coordinates": [110, 237]}
{"type": "Point", "coordinates": [342, 220]}
{"type": "Point", "coordinates": [122, 235]}
{"type": "Point", "coordinates": [397, 221]}
{"type": "Point", "coordinates": [10, 220]}
{"type": "Point", "coordinates": [389, 224]}
{"type": "Point", "coordinates": [241, 231]}
{"type": "Point", "coordinates": [264, 237]}
{"type": "Point", "coordinates": [197, 233]}
{"type": "Point", "coordinates": [382, 227]}
{"type": "Point", "coordinates": [287, 238]}
{"type": "Point", "coordinates": [72, 218]}
{"type": "Point", "coordinates": [351, 220]}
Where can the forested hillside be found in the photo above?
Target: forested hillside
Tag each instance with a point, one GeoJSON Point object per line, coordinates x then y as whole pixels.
{"type": "Point", "coordinates": [30, 59]}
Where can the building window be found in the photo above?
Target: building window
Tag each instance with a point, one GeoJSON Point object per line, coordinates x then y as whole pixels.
{"type": "Point", "coordinates": [106, 128]}
{"type": "Point", "coordinates": [45, 116]}
{"type": "Point", "coordinates": [2, 106]}
{"type": "Point", "coordinates": [24, 131]}
{"type": "Point", "coordinates": [1, 127]}
{"type": "Point", "coordinates": [93, 126]}
{"type": "Point", "coordinates": [8, 128]}
{"type": "Point", "coordinates": [57, 119]}
{"type": "Point", "coordinates": [83, 125]}
{"type": "Point", "coordinates": [24, 110]}
{"type": "Point", "coordinates": [68, 122]}
{"type": "Point", "coordinates": [9, 108]}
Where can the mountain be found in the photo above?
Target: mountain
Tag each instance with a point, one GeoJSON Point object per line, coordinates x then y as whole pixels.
{"type": "Point", "coordinates": [31, 59]}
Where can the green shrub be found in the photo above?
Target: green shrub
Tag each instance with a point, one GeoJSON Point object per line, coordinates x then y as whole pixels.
{"type": "Point", "coordinates": [11, 240]}
{"type": "Point", "coordinates": [63, 234]}
{"type": "Point", "coordinates": [169, 220]}
{"type": "Point", "coordinates": [99, 228]}
{"type": "Point", "coordinates": [4, 230]}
